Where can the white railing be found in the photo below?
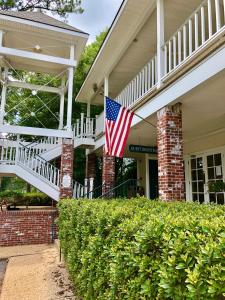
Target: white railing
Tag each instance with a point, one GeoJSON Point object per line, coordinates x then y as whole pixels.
{"type": "Point", "coordinates": [78, 190]}
{"type": "Point", "coordinates": [7, 152]}
{"type": "Point", "coordinates": [206, 21]}
{"type": "Point", "coordinates": [44, 144]}
{"type": "Point", "coordinates": [99, 124]}
{"type": "Point", "coordinates": [84, 127]}
{"type": "Point", "coordinates": [27, 158]}
{"type": "Point", "coordinates": [145, 80]}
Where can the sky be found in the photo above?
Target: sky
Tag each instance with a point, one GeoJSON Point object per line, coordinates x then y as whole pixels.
{"type": "Point", "coordinates": [97, 15]}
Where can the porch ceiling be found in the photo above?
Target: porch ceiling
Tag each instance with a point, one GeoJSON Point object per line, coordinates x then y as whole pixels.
{"type": "Point", "coordinates": [24, 35]}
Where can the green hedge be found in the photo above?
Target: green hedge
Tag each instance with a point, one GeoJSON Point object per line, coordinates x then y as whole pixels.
{"type": "Point", "coordinates": [141, 249]}
{"type": "Point", "coordinates": [19, 198]}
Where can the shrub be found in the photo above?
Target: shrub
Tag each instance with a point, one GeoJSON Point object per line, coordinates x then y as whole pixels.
{"type": "Point", "coordinates": [141, 249]}
{"type": "Point", "coordinates": [18, 198]}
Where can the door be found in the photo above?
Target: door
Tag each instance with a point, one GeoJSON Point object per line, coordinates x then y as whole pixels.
{"type": "Point", "coordinates": [215, 174]}
{"type": "Point", "coordinates": [206, 169]}
{"type": "Point", "coordinates": [153, 179]}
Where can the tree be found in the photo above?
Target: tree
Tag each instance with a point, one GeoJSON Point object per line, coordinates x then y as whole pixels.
{"type": "Point", "coordinates": [55, 6]}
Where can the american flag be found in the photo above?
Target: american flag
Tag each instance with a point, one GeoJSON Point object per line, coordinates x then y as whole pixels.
{"type": "Point", "coordinates": [117, 125]}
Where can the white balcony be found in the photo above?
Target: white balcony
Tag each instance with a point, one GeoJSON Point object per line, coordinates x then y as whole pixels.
{"type": "Point", "coordinates": [203, 27]}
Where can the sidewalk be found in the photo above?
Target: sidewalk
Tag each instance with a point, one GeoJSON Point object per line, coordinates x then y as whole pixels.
{"type": "Point", "coordinates": [34, 273]}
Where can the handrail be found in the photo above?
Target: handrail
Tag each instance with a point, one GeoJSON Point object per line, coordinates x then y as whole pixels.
{"type": "Point", "coordinates": [49, 172]}
{"type": "Point", "coordinates": [111, 192]}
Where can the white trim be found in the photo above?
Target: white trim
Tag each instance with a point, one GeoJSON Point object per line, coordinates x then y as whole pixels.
{"type": "Point", "coordinates": [37, 56]}
{"type": "Point", "coordinates": [31, 86]}
{"type": "Point", "coordinates": [44, 26]}
{"type": "Point", "coordinates": [36, 131]}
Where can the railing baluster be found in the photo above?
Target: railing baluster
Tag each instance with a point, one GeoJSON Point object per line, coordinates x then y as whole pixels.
{"type": "Point", "coordinates": [153, 73]}
{"type": "Point", "coordinates": [179, 47]}
{"type": "Point", "coordinates": [196, 31]}
{"type": "Point", "coordinates": [218, 18]}
{"type": "Point", "coordinates": [165, 59]}
{"type": "Point", "coordinates": [170, 55]}
{"type": "Point", "coordinates": [190, 37]}
{"type": "Point", "coordinates": [185, 41]}
{"type": "Point", "coordinates": [203, 24]}
{"type": "Point", "coordinates": [210, 17]}
{"type": "Point", "coordinates": [174, 51]}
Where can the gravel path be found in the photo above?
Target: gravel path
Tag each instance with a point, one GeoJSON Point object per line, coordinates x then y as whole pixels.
{"type": "Point", "coordinates": [35, 273]}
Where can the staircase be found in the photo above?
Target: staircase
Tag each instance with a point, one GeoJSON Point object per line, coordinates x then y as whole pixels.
{"type": "Point", "coordinates": [31, 160]}
{"type": "Point", "coordinates": [16, 159]}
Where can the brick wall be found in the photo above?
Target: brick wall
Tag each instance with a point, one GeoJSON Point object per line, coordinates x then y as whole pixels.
{"type": "Point", "coordinates": [108, 173]}
{"type": "Point", "coordinates": [170, 153]}
{"type": "Point", "coordinates": [66, 169]}
{"type": "Point", "coordinates": [27, 227]}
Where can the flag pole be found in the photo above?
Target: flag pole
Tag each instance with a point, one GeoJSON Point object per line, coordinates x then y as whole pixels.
{"type": "Point", "coordinates": [149, 123]}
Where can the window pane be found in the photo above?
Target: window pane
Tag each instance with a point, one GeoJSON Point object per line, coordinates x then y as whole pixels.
{"type": "Point", "coordinates": [220, 198]}
{"type": "Point", "coordinates": [201, 198]}
{"type": "Point", "coordinates": [210, 161]}
{"type": "Point", "coordinates": [212, 198]}
{"type": "Point", "coordinates": [200, 174]}
{"type": "Point", "coordinates": [199, 163]}
{"type": "Point", "coordinates": [201, 187]}
{"type": "Point", "coordinates": [194, 175]}
{"type": "Point", "coordinates": [211, 174]}
{"type": "Point", "coordinates": [193, 163]}
{"type": "Point", "coordinates": [195, 197]}
{"type": "Point", "coordinates": [194, 187]}
{"type": "Point", "coordinates": [217, 158]}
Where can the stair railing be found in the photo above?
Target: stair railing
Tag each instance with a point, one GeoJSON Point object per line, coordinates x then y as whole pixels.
{"type": "Point", "coordinates": [78, 190]}
{"type": "Point", "coordinates": [42, 145]}
{"type": "Point", "coordinates": [31, 160]}
{"type": "Point", "coordinates": [127, 189]}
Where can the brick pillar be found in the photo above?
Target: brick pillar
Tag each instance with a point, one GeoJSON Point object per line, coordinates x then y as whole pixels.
{"type": "Point", "coordinates": [170, 153]}
{"type": "Point", "coordinates": [90, 165]}
{"type": "Point", "coordinates": [108, 173]}
{"type": "Point", "coordinates": [66, 186]}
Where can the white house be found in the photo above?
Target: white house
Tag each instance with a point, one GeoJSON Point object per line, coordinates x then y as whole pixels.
{"type": "Point", "coordinates": [164, 60]}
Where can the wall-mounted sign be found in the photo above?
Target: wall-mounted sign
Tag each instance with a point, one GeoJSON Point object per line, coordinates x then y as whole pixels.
{"type": "Point", "coordinates": [143, 149]}
{"type": "Point", "coordinates": [66, 181]}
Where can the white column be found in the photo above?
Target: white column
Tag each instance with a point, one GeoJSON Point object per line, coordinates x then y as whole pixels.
{"type": "Point", "coordinates": [3, 96]}
{"type": "Point", "coordinates": [88, 110]}
{"type": "Point", "coordinates": [62, 100]}
{"type": "Point", "coordinates": [106, 94]}
{"type": "Point", "coordinates": [160, 40]}
{"type": "Point", "coordinates": [70, 91]}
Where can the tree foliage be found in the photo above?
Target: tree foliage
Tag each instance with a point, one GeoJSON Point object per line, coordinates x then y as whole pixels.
{"type": "Point", "coordinates": [55, 6]}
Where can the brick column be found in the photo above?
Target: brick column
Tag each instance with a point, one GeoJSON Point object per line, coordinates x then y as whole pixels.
{"type": "Point", "coordinates": [66, 185]}
{"type": "Point", "coordinates": [108, 173]}
{"type": "Point", "coordinates": [170, 153]}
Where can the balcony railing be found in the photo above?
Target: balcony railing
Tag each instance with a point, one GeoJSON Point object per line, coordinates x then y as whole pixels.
{"type": "Point", "coordinates": [145, 80]}
{"type": "Point", "coordinates": [203, 24]}
{"type": "Point", "coordinates": [84, 127]}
